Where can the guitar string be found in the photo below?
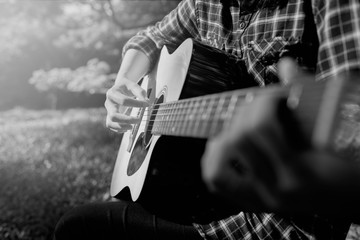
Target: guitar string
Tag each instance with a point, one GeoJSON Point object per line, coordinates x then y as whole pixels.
{"type": "Point", "coordinates": [180, 124]}
{"type": "Point", "coordinates": [199, 100]}
{"type": "Point", "coordinates": [240, 94]}
{"type": "Point", "coordinates": [192, 107]}
{"type": "Point", "coordinates": [180, 104]}
{"type": "Point", "coordinates": [251, 91]}
{"type": "Point", "coordinates": [186, 129]}
{"type": "Point", "coordinates": [198, 104]}
{"type": "Point", "coordinates": [193, 129]}
{"type": "Point", "coordinates": [194, 121]}
{"type": "Point", "coordinates": [198, 109]}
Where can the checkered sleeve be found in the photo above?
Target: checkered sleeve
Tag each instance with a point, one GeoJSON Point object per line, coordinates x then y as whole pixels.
{"type": "Point", "coordinates": [173, 29]}
{"type": "Point", "coordinates": [249, 226]}
{"type": "Point", "coordinates": [338, 24]}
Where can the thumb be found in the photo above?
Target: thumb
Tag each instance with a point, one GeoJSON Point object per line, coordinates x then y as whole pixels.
{"type": "Point", "coordinates": [139, 92]}
{"type": "Point", "coordinates": [289, 71]}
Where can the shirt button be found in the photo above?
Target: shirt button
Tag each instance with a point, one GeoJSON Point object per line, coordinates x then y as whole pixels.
{"type": "Point", "coordinates": [242, 25]}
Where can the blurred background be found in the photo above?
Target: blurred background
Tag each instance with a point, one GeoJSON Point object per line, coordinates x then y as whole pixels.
{"type": "Point", "coordinates": [57, 58]}
{"type": "Point", "coordinates": [64, 53]}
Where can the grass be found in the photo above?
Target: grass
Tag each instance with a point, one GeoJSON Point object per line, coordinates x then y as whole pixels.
{"type": "Point", "coordinates": [51, 161]}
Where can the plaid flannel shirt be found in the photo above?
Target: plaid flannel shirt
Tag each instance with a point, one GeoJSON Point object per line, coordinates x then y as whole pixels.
{"type": "Point", "coordinates": [254, 37]}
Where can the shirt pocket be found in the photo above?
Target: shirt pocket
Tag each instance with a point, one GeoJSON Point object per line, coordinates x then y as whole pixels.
{"type": "Point", "coordinates": [217, 39]}
{"type": "Point", "coordinates": [261, 57]}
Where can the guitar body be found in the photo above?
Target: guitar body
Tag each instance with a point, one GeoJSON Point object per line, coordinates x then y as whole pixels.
{"type": "Point", "coordinates": [158, 164]}
{"type": "Point", "coordinates": [163, 172]}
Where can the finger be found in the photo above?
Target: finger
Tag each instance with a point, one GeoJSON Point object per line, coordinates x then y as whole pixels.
{"type": "Point", "coordinates": [268, 140]}
{"type": "Point", "coordinates": [123, 100]}
{"type": "Point", "coordinates": [119, 128]}
{"type": "Point", "coordinates": [256, 164]}
{"type": "Point", "coordinates": [253, 117]}
{"type": "Point", "coordinates": [289, 71]}
{"type": "Point", "coordinates": [122, 118]}
{"type": "Point", "coordinates": [270, 158]}
{"type": "Point", "coordinates": [227, 172]}
{"type": "Point", "coordinates": [117, 96]}
{"type": "Point", "coordinates": [239, 182]}
{"type": "Point", "coordinates": [112, 107]}
{"type": "Point", "coordinates": [261, 146]}
{"type": "Point", "coordinates": [139, 92]}
{"type": "Point", "coordinates": [132, 89]}
{"type": "Point", "coordinates": [218, 166]}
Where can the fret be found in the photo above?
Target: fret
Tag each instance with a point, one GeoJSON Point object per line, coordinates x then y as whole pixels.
{"type": "Point", "coordinates": [182, 114]}
{"type": "Point", "coordinates": [162, 113]}
{"type": "Point", "coordinates": [204, 118]}
{"type": "Point", "coordinates": [186, 117]}
{"type": "Point", "coordinates": [154, 123]}
{"type": "Point", "coordinates": [164, 117]}
{"type": "Point", "coordinates": [210, 113]}
{"type": "Point", "coordinates": [182, 118]}
{"type": "Point", "coordinates": [179, 116]}
{"type": "Point", "coordinates": [180, 121]}
{"type": "Point", "coordinates": [224, 112]}
{"type": "Point", "coordinates": [231, 110]}
{"type": "Point", "coordinates": [194, 115]}
{"type": "Point", "coordinates": [172, 119]}
{"type": "Point", "coordinates": [216, 118]}
{"type": "Point", "coordinates": [158, 120]}
{"type": "Point", "coordinates": [197, 123]}
{"type": "Point", "coordinates": [167, 119]}
{"type": "Point", "coordinates": [189, 117]}
{"type": "Point", "coordinates": [162, 122]}
{"type": "Point", "coordinates": [174, 124]}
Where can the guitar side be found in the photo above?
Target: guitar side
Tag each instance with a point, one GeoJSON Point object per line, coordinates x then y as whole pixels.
{"type": "Point", "coordinates": [165, 82]}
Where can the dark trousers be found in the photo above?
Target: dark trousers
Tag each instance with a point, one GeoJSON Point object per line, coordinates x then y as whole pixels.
{"type": "Point", "coordinates": [119, 220]}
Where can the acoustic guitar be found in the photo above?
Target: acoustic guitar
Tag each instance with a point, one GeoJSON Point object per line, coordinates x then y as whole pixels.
{"type": "Point", "coordinates": [195, 92]}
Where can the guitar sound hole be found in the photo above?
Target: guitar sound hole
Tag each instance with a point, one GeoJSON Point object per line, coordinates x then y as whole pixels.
{"type": "Point", "coordinates": [151, 121]}
{"type": "Point", "coordinates": [140, 149]}
{"type": "Point", "coordinates": [137, 156]}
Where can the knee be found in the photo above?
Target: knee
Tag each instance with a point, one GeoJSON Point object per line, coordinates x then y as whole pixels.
{"type": "Point", "coordinates": [70, 226]}
{"type": "Point", "coordinates": [92, 221]}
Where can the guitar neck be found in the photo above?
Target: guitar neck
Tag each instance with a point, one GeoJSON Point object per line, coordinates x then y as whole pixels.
{"type": "Point", "coordinates": [206, 116]}
{"type": "Point", "coordinates": [319, 108]}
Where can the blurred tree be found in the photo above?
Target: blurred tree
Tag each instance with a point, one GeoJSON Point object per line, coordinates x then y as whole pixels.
{"type": "Point", "coordinates": [92, 21]}
{"type": "Point", "coordinates": [95, 77]}
{"type": "Point", "coordinates": [46, 35]}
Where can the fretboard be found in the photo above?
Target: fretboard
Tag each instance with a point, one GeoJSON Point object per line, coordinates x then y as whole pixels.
{"type": "Point", "coordinates": [203, 117]}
